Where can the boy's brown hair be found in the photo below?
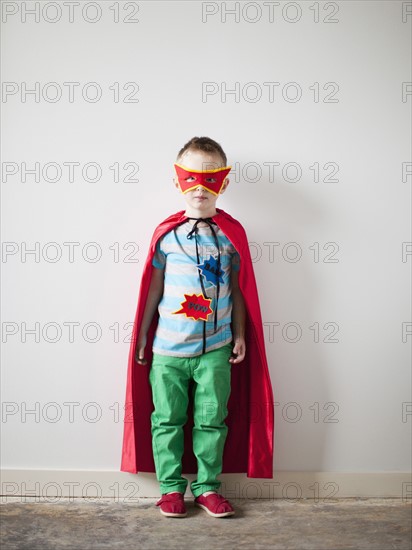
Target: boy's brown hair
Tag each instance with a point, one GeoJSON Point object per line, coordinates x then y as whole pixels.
{"type": "Point", "coordinates": [205, 144]}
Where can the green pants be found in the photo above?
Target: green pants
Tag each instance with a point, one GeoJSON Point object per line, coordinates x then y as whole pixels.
{"type": "Point", "coordinates": [169, 378]}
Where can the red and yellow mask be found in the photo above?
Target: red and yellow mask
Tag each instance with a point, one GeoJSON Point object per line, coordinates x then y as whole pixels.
{"type": "Point", "coordinates": [211, 180]}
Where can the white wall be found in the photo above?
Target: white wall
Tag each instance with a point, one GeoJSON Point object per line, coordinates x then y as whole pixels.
{"type": "Point", "coordinates": [360, 298]}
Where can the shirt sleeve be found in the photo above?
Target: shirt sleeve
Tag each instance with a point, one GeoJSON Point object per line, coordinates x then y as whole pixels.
{"type": "Point", "coordinates": [159, 258]}
{"type": "Point", "coordinates": [235, 261]}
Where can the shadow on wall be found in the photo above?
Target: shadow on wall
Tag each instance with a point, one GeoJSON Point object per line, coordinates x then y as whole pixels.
{"type": "Point", "coordinates": [285, 273]}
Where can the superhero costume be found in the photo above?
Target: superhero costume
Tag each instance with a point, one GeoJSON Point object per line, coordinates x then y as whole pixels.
{"type": "Point", "coordinates": [250, 421]}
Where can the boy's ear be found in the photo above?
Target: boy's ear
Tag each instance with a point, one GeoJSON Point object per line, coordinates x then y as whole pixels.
{"type": "Point", "coordinates": [176, 182]}
{"type": "Point", "coordinates": [224, 186]}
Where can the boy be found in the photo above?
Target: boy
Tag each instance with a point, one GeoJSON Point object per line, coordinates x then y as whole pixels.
{"type": "Point", "coordinates": [191, 325]}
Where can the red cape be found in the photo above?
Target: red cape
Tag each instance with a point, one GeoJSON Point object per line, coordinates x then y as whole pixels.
{"type": "Point", "coordinates": [249, 443]}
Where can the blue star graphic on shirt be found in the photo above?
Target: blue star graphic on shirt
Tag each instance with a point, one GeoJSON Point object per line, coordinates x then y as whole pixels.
{"type": "Point", "coordinates": [210, 271]}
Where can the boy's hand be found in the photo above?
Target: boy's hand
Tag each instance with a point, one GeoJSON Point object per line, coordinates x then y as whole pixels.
{"type": "Point", "coordinates": [239, 351]}
{"type": "Point", "coordinates": [139, 353]}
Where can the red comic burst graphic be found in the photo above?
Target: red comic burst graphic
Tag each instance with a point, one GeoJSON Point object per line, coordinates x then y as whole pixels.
{"type": "Point", "coordinates": [196, 307]}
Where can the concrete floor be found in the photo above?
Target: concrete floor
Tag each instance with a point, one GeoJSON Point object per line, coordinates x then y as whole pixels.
{"type": "Point", "coordinates": [358, 524]}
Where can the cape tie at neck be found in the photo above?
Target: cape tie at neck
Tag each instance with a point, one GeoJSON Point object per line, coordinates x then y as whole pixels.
{"type": "Point", "coordinates": [194, 231]}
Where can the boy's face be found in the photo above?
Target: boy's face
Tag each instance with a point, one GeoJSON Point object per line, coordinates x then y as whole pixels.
{"type": "Point", "coordinates": [199, 197]}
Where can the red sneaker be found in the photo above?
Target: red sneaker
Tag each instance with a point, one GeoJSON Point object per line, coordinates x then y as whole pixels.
{"type": "Point", "coordinates": [215, 505]}
{"type": "Point", "coordinates": [172, 505]}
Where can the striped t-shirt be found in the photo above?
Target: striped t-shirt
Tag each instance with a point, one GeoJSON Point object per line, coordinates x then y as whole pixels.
{"type": "Point", "coordinates": [183, 308]}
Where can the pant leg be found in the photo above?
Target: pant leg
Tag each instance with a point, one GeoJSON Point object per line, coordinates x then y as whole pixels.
{"type": "Point", "coordinates": [169, 379]}
{"type": "Point", "coordinates": [211, 394]}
